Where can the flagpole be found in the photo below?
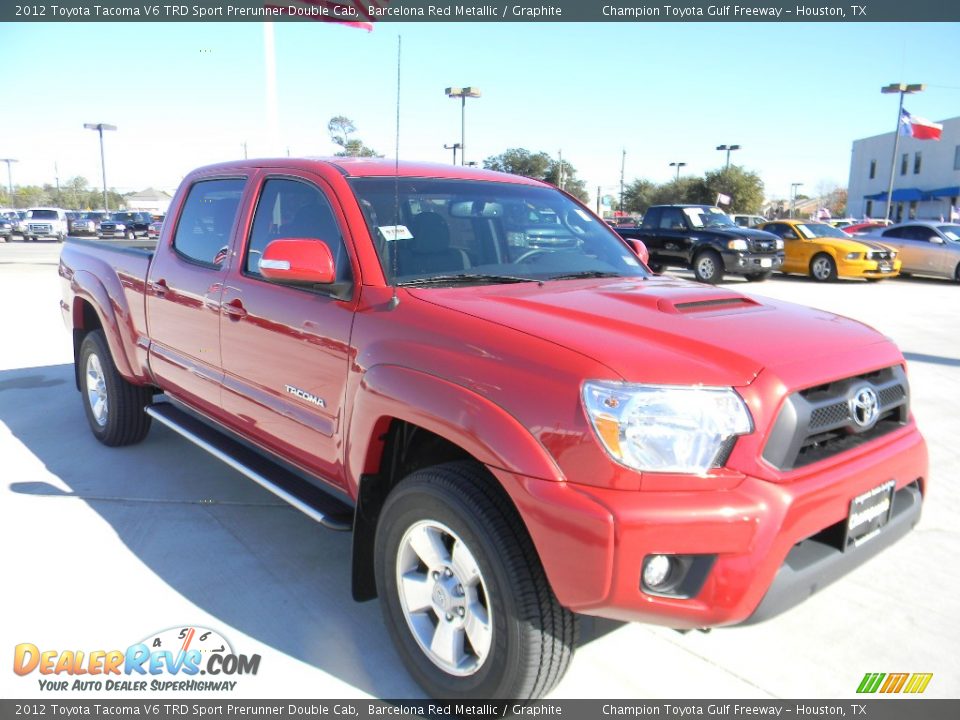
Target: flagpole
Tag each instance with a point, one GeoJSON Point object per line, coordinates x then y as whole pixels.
{"type": "Point", "coordinates": [270, 71]}
{"type": "Point", "coordinates": [901, 89]}
{"type": "Point", "coordinates": [893, 160]}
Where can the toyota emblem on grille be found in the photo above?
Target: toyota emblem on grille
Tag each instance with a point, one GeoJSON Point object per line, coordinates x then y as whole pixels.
{"type": "Point", "coordinates": [865, 407]}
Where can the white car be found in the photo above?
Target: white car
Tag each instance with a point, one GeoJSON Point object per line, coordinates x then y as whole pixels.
{"type": "Point", "coordinates": [749, 221]}
{"type": "Point", "coordinates": [45, 223]}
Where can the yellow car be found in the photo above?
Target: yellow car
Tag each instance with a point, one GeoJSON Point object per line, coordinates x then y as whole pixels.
{"type": "Point", "coordinates": [825, 252]}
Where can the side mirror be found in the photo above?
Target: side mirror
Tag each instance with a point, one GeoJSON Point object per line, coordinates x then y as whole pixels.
{"type": "Point", "coordinates": [298, 260]}
{"type": "Point", "coordinates": [640, 249]}
{"type": "Point", "coordinates": [936, 240]}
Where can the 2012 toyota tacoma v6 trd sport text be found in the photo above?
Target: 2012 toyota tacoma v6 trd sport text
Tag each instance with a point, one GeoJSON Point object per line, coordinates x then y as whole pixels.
{"type": "Point", "coordinates": [516, 420]}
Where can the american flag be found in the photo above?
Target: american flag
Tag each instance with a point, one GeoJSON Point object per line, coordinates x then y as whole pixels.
{"type": "Point", "coordinates": [354, 13]}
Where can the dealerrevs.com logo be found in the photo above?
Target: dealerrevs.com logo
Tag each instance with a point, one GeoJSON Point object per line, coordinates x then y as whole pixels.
{"type": "Point", "coordinates": [179, 659]}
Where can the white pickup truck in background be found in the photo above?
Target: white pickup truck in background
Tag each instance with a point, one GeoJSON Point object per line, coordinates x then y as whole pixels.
{"type": "Point", "coordinates": [45, 223]}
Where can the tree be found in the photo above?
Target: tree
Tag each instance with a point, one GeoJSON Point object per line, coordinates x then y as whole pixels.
{"type": "Point", "coordinates": [745, 189]}
{"type": "Point", "coordinates": [539, 166]}
{"type": "Point", "coordinates": [638, 195]}
{"type": "Point", "coordinates": [340, 128]}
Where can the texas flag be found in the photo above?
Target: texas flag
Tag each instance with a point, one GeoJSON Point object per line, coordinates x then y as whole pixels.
{"type": "Point", "coordinates": [920, 128]}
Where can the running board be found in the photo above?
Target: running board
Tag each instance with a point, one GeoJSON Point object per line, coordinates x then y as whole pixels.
{"type": "Point", "coordinates": [286, 485]}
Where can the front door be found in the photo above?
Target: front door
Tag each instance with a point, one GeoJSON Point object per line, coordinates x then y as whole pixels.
{"type": "Point", "coordinates": [286, 349]}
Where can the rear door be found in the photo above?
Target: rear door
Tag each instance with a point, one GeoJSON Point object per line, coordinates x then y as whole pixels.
{"type": "Point", "coordinates": [286, 348]}
{"type": "Point", "coordinates": [183, 291]}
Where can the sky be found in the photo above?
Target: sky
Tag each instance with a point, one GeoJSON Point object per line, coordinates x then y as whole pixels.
{"type": "Point", "coordinates": [793, 95]}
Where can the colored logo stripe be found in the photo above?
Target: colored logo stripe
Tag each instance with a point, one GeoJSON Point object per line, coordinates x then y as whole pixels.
{"type": "Point", "coordinates": [870, 682]}
{"type": "Point", "coordinates": [894, 682]}
{"type": "Point", "coordinates": [918, 682]}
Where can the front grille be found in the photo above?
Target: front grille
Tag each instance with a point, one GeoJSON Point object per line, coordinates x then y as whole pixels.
{"type": "Point", "coordinates": [879, 255]}
{"type": "Point", "coordinates": [818, 422]}
{"type": "Point", "coordinates": [763, 245]}
{"type": "Point", "coordinates": [40, 228]}
{"type": "Point", "coordinates": [107, 226]}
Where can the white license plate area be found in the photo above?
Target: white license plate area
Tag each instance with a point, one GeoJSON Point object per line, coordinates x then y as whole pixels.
{"type": "Point", "coordinates": [869, 512]}
{"type": "Point", "coordinates": [766, 262]}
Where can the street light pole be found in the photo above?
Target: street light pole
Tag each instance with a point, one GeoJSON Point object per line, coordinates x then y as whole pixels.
{"type": "Point", "coordinates": [901, 89]}
{"type": "Point", "coordinates": [678, 166]}
{"type": "Point", "coordinates": [454, 147]}
{"type": "Point", "coordinates": [793, 196]}
{"type": "Point", "coordinates": [729, 149]}
{"type": "Point", "coordinates": [100, 127]}
{"type": "Point", "coordinates": [463, 93]}
{"type": "Point", "coordinates": [623, 167]}
{"type": "Point", "coordinates": [8, 161]}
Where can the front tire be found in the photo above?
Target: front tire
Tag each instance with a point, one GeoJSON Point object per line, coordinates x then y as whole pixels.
{"type": "Point", "coordinates": [956, 274]}
{"type": "Point", "coordinates": [823, 268]}
{"type": "Point", "coordinates": [113, 406]}
{"type": "Point", "coordinates": [462, 590]}
{"type": "Point", "coordinates": [708, 267]}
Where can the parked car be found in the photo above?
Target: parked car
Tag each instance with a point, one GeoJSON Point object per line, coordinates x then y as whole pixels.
{"type": "Point", "coordinates": [127, 224]}
{"type": "Point", "coordinates": [89, 223]}
{"type": "Point", "coordinates": [20, 222]}
{"type": "Point", "coordinates": [476, 377]}
{"type": "Point", "coordinates": [825, 253]}
{"type": "Point", "coordinates": [6, 227]}
{"type": "Point", "coordinates": [927, 247]}
{"type": "Point", "coordinates": [704, 239]}
{"type": "Point", "coordinates": [841, 223]}
{"type": "Point", "coordinates": [865, 228]}
{"type": "Point", "coordinates": [748, 220]}
{"type": "Point", "coordinates": [153, 231]}
{"type": "Point", "coordinates": [45, 223]}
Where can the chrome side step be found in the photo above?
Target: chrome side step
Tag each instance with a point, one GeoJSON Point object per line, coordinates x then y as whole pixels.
{"type": "Point", "coordinates": [304, 496]}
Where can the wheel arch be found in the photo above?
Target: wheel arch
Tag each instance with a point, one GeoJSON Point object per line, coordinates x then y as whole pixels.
{"type": "Point", "coordinates": [406, 420]}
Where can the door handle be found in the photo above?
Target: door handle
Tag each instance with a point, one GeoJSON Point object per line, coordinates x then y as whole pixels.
{"type": "Point", "coordinates": [235, 309]}
{"type": "Point", "coordinates": [158, 287]}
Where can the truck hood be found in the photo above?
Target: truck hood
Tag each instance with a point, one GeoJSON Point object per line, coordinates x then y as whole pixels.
{"type": "Point", "coordinates": [661, 330]}
{"type": "Point", "coordinates": [737, 232]}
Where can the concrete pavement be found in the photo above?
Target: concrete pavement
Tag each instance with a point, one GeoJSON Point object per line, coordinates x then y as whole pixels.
{"type": "Point", "coordinates": [104, 547]}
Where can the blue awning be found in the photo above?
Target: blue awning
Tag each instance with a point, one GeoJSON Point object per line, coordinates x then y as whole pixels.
{"type": "Point", "coordinates": [945, 192]}
{"type": "Point", "coordinates": [899, 195]}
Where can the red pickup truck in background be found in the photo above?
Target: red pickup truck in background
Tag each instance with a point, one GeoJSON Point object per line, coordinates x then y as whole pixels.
{"type": "Point", "coordinates": [517, 421]}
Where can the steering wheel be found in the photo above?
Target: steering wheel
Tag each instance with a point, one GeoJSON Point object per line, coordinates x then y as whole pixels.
{"type": "Point", "coordinates": [529, 254]}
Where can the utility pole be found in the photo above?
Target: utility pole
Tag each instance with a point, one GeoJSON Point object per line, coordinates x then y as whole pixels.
{"type": "Point", "coordinates": [598, 199]}
{"type": "Point", "coordinates": [456, 146]}
{"type": "Point", "coordinates": [623, 167]}
{"type": "Point", "coordinates": [9, 161]}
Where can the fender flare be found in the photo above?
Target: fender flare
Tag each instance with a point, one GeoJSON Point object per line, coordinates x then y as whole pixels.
{"type": "Point", "coordinates": [89, 288]}
{"type": "Point", "coordinates": [456, 413]}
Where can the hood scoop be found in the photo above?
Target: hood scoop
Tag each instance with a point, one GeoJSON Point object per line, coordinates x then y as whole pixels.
{"type": "Point", "coordinates": [679, 306]}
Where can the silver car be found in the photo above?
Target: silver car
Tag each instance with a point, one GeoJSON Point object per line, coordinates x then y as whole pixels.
{"type": "Point", "coordinates": [926, 247]}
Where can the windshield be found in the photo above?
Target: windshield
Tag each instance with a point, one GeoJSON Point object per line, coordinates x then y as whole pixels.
{"type": "Point", "coordinates": [815, 230]}
{"type": "Point", "coordinates": [951, 232]}
{"type": "Point", "coordinates": [463, 231]}
{"type": "Point", "coordinates": [123, 216]}
{"type": "Point", "coordinates": [93, 216]}
{"type": "Point", "coordinates": [708, 217]}
{"type": "Point", "coordinates": [43, 215]}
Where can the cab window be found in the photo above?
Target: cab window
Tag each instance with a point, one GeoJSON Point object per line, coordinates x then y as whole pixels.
{"type": "Point", "coordinates": [203, 232]}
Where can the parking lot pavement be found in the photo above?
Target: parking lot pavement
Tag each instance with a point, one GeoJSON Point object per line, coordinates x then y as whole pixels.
{"type": "Point", "coordinates": [104, 547]}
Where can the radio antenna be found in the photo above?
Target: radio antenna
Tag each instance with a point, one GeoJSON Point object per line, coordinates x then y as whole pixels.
{"type": "Point", "coordinates": [395, 247]}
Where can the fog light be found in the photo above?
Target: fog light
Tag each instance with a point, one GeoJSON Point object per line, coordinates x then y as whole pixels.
{"type": "Point", "coordinates": [656, 571]}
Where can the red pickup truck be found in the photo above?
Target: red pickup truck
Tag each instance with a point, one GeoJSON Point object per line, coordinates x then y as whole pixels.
{"type": "Point", "coordinates": [517, 421]}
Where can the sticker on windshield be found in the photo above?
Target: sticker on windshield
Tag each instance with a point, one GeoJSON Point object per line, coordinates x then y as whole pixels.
{"type": "Point", "coordinates": [629, 260]}
{"type": "Point", "coordinates": [693, 214]}
{"type": "Point", "coordinates": [395, 232]}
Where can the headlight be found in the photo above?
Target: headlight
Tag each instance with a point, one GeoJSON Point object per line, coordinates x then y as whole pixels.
{"type": "Point", "coordinates": [665, 428]}
{"type": "Point", "coordinates": [737, 244]}
{"type": "Point", "coordinates": [853, 256]}
{"type": "Point", "coordinates": [778, 243]}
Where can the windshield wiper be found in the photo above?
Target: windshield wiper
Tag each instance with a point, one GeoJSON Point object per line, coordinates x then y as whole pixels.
{"type": "Point", "coordinates": [585, 274]}
{"type": "Point", "coordinates": [467, 278]}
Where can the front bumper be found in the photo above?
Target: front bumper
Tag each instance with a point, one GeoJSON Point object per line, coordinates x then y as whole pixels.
{"type": "Point", "coordinates": [593, 541]}
{"type": "Point", "coordinates": [868, 268]}
{"type": "Point", "coordinates": [742, 262]}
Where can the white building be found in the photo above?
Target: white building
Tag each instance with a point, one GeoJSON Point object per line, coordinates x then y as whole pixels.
{"type": "Point", "coordinates": [149, 200]}
{"type": "Point", "coordinates": [926, 181]}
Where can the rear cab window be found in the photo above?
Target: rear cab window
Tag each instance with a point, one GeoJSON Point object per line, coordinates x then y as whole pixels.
{"type": "Point", "coordinates": [207, 219]}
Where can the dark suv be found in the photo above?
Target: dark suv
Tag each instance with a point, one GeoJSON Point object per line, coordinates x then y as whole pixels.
{"type": "Point", "coordinates": [126, 224]}
{"type": "Point", "coordinates": [704, 239]}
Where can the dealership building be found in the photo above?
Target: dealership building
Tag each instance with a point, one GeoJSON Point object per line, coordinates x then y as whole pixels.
{"type": "Point", "coordinates": [926, 181]}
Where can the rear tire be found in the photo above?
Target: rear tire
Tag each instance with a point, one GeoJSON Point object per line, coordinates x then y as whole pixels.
{"type": "Point", "coordinates": [708, 267]}
{"type": "Point", "coordinates": [823, 268]}
{"type": "Point", "coordinates": [462, 590]}
{"type": "Point", "coordinates": [113, 406]}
